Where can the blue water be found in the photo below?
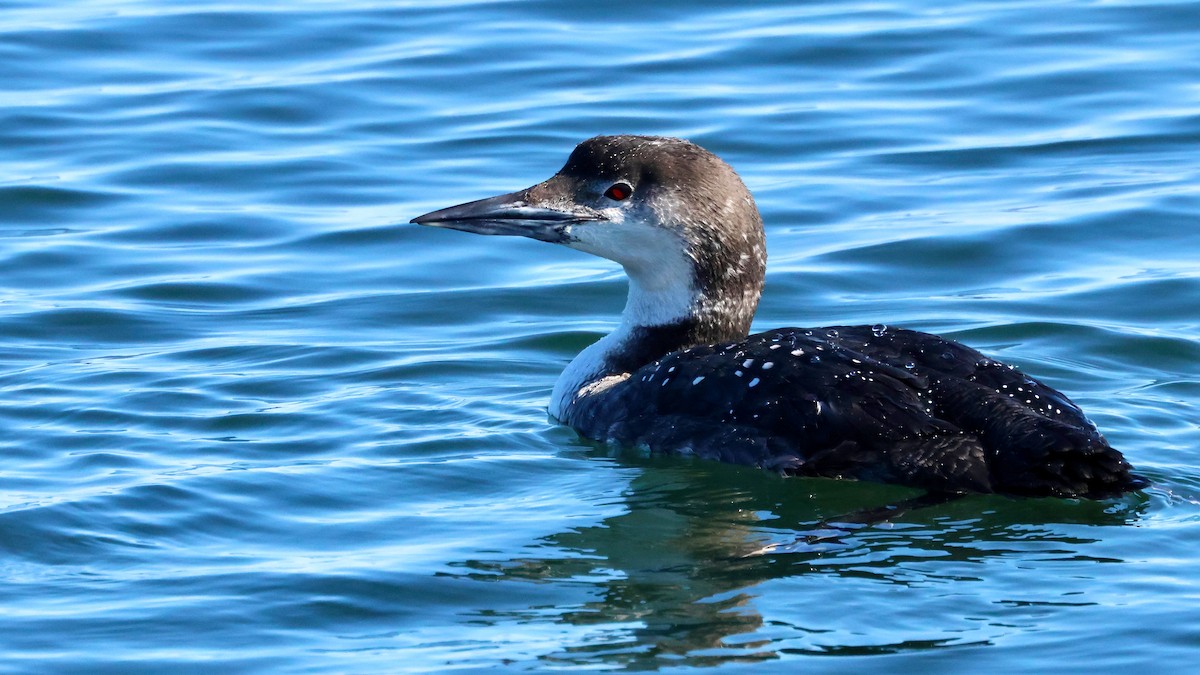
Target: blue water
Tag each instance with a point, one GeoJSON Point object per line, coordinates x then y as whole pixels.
{"type": "Point", "coordinates": [252, 421]}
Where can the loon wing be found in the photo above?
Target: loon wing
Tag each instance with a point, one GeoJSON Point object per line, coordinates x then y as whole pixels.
{"type": "Point", "coordinates": [872, 403]}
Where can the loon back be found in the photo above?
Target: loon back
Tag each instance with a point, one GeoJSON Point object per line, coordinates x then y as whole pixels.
{"type": "Point", "coordinates": [680, 375]}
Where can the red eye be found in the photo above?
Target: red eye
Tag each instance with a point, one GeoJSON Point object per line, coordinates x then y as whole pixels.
{"type": "Point", "coordinates": [618, 192]}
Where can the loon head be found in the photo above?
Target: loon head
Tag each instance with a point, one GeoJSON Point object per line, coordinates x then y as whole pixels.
{"type": "Point", "coordinates": [676, 217]}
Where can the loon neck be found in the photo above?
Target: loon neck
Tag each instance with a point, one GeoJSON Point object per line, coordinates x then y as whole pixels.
{"type": "Point", "coordinates": [660, 317]}
{"type": "Point", "coordinates": [676, 303]}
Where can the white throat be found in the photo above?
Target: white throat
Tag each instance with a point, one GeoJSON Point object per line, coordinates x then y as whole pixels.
{"type": "Point", "coordinates": [662, 291]}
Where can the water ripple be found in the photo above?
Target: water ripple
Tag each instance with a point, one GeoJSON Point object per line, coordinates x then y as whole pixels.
{"type": "Point", "coordinates": [254, 422]}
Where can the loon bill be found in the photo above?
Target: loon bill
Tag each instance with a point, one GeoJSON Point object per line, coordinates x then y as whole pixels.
{"type": "Point", "coordinates": [680, 374]}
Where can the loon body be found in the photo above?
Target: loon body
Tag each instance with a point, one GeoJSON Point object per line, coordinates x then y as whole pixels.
{"type": "Point", "coordinates": [681, 375]}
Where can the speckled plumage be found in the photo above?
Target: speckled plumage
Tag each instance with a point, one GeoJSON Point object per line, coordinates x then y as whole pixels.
{"type": "Point", "coordinates": [681, 376]}
{"type": "Point", "coordinates": [872, 403]}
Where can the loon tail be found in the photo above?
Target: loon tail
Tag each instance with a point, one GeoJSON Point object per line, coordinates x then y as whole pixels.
{"type": "Point", "coordinates": [1035, 455]}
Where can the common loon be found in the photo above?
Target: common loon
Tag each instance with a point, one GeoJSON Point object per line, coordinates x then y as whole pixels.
{"type": "Point", "coordinates": [681, 375]}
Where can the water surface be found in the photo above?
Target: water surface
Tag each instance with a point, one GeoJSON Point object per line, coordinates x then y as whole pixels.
{"type": "Point", "coordinates": [254, 422]}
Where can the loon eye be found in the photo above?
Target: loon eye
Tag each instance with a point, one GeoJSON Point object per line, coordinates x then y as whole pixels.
{"type": "Point", "coordinates": [618, 191]}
